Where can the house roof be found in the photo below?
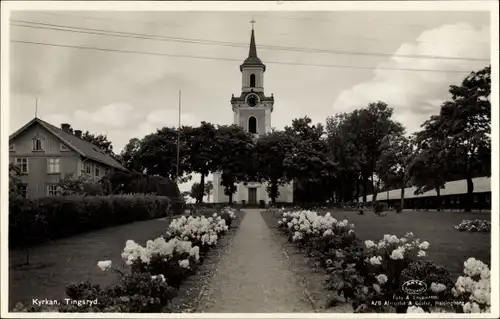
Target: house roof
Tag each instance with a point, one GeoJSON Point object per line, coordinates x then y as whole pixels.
{"type": "Point", "coordinates": [481, 185]}
{"type": "Point", "coordinates": [79, 145]}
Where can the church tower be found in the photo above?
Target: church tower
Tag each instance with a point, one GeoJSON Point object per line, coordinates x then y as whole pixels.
{"type": "Point", "coordinates": [252, 109]}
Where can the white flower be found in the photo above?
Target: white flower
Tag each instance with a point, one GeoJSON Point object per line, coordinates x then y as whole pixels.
{"type": "Point", "coordinates": [376, 260]}
{"type": "Point", "coordinates": [481, 296]}
{"type": "Point", "coordinates": [195, 252]}
{"type": "Point", "coordinates": [398, 253]}
{"type": "Point", "coordinates": [350, 232]}
{"type": "Point", "coordinates": [393, 240]}
{"type": "Point", "coordinates": [437, 287]}
{"type": "Point", "coordinates": [485, 273]}
{"type": "Point", "coordinates": [464, 284]}
{"type": "Point", "coordinates": [327, 233]}
{"type": "Point", "coordinates": [473, 267]}
{"type": "Point", "coordinates": [159, 276]}
{"type": "Point", "coordinates": [184, 263]}
{"type": "Point", "coordinates": [414, 309]}
{"type": "Point", "coordinates": [424, 245]}
{"type": "Point", "coordinates": [421, 253]}
{"type": "Point", "coordinates": [382, 279]}
{"type": "Point", "coordinates": [280, 222]}
{"type": "Point", "coordinates": [104, 265]}
{"type": "Point", "coordinates": [369, 244]}
{"type": "Point", "coordinates": [381, 245]}
{"type": "Point", "coordinates": [471, 308]}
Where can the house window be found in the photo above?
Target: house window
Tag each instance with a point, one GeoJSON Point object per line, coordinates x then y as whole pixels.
{"type": "Point", "coordinates": [475, 198]}
{"type": "Point", "coordinates": [52, 190]}
{"type": "Point", "coordinates": [106, 172]}
{"type": "Point", "coordinates": [252, 125]}
{"type": "Point", "coordinates": [22, 163]}
{"type": "Point", "coordinates": [458, 199]}
{"type": "Point", "coordinates": [87, 169]}
{"type": "Point", "coordinates": [488, 198]}
{"type": "Point", "coordinates": [23, 188]}
{"type": "Point", "coordinates": [12, 147]}
{"type": "Point", "coordinates": [452, 200]}
{"type": "Point", "coordinates": [37, 144]}
{"type": "Point", "coordinates": [252, 80]}
{"type": "Point", "coordinates": [53, 165]}
{"type": "Point", "coordinates": [97, 172]}
{"type": "Point", "coordinates": [63, 148]}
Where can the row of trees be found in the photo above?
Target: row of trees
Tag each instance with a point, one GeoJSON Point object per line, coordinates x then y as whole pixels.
{"type": "Point", "coordinates": [358, 153]}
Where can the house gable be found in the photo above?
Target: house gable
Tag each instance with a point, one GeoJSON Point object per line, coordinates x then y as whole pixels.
{"type": "Point", "coordinates": [72, 142]}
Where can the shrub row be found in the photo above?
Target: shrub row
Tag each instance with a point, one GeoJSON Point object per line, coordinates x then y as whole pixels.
{"type": "Point", "coordinates": [371, 275]}
{"type": "Point", "coordinates": [155, 271]}
{"type": "Point", "coordinates": [34, 221]}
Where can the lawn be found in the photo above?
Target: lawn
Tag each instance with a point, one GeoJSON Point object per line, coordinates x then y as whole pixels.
{"type": "Point", "coordinates": [448, 246]}
{"type": "Point", "coordinates": [74, 259]}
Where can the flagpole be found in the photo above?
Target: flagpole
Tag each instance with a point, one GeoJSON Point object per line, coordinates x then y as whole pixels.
{"type": "Point", "coordinates": [36, 106]}
{"type": "Point", "coordinates": [178, 137]}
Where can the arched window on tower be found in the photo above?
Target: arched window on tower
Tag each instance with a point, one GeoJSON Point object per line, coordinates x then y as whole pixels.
{"type": "Point", "coordinates": [252, 125]}
{"type": "Point", "coordinates": [252, 80]}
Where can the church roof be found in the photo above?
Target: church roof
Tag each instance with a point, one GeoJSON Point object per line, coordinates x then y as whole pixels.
{"type": "Point", "coordinates": [252, 60]}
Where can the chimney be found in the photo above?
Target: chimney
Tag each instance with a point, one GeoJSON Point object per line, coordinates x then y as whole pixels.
{"type": "Point", "coordinates": [65, 127]}
{"type": "Point", "coordinates": [78, 133]}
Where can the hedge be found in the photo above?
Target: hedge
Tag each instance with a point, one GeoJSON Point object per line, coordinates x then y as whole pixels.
{"type": "Point", "coordinates": [33, 221]}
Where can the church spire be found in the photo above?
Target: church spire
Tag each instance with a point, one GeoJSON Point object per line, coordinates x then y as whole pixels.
{"type": "Point", "coordinates": [253, 49]}
{"type": "Point", "coordinates": [252, 60]}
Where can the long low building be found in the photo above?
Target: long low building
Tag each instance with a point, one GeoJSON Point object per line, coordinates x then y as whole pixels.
{"type": "Point", "coordinates": [452, 196]}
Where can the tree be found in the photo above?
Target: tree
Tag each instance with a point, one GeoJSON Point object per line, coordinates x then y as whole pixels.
{"type": "Point", "coordinates": [270, 153]}
{"type": "Point", "coordinates": [367, 127]}
{"type": "Point", "coordinates": [156, 154]}
{"type": "Point", "coordinates": [100, 141]}
{"type": "Point", "coordinates": [397, 152]}
{"type": "Point", "coordinates": [429, 169]}
{"type": "Point", "coordinates": [466, 122]}
{"type": "Point", "coordinates": [307, 163]}
{"type": "Point", "coordinates": [344, 152]}
{"type": "Point", "coordinates": [232, 148]}
{"type": "Point", "coordinates": [201, 157]}
{"type": "Point", "coordinates": [196, 191]}
{"type": "Point", "coordinates": [83, 184]}
{"type": "Point", "coordinates": [129, 154]}
{"type": "Point", "coordinates": [209, 186]}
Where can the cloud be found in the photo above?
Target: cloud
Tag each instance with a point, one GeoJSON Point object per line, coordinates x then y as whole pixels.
{"type": "Point", "coordinates": [121, 121]}
{"type": "Point", "coordinates": [415, 96]}
{"type": "Point", "coordinates": [116, 115]}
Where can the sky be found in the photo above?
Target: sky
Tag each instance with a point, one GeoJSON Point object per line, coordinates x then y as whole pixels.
{"type": "Point", "coordinates": [127, 95]}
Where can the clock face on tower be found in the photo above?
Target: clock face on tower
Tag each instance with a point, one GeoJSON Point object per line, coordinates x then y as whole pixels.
{"type": "Point", "coordinates": [252, 100]}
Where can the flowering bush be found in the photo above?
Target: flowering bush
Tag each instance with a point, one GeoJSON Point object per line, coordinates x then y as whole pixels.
{"type": "Point", "coordinates": [475, 225]}
{"type": "Point", "coordinates": [156, 269]}
{"type": "Point", "coordinates": [373, 275]}
{"type": "Point", "coordinates": [176, 255]}
{"type": "Point", "coordinates": [228, 214]}
{"type": "Point", "coordinates": [135, 292]}
{"type": "Point", "coordinates": [474, 289]}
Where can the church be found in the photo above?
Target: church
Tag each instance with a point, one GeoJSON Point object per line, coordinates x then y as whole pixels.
{"type": "Point", "coordinates": [252, 111]}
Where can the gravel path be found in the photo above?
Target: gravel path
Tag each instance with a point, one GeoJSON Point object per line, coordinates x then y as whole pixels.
{"type": "Point", "coordinates": [253, 275]}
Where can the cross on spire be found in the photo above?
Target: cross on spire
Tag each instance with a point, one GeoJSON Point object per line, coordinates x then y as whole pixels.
{"type": "Point", "coordinates": [252, 22]}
